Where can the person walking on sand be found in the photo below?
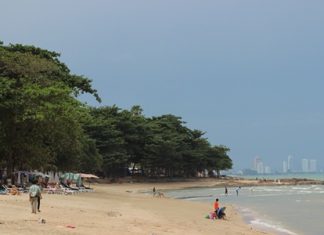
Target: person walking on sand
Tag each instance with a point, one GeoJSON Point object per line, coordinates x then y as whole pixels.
{"type": "Point", "coordinates": [154, 191]}
{"type": "Point", "coordinates": [39, 197]}
{"type": "Point", "coordinates": [34, 192]}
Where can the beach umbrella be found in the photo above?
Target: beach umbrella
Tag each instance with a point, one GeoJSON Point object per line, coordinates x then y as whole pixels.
{"type": "Point", "coordinates": [88, 176]}
{"type": "Point", "coordinates": [75, 178]}
{"type": "Point", "coordinates": [41, 175]}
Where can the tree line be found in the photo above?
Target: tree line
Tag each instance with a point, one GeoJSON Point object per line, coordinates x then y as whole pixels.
{"type": "Point", "coordinates": [44, 126]}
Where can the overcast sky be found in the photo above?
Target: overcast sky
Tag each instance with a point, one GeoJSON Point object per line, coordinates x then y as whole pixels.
{"type": "Point", "coordinates": [249, 73]}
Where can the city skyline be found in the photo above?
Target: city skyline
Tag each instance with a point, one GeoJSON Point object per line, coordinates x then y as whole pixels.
{"type": "Point", "coordinates": [289, 165]}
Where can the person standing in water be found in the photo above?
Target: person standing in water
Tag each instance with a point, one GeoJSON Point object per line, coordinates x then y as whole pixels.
{"type": "Point", "coordinates": [237, 190]}
{"type": "Point", "coordinates": [226, 191]}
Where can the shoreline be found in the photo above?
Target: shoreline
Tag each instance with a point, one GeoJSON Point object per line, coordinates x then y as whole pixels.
{"type": "Point", "coordinates": [118, 209]}
{"type": "Point", "coordinates": [123, 208]}
{"type": "Point", "coordinates": [229, 182]}
{"type": "Point", "coordinates": [252, 219]}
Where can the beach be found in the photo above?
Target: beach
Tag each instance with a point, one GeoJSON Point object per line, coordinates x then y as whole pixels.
{"type": "Point", "coordinates": [268, 205]}
{"type": "Point", "coordinates": [118, 209]}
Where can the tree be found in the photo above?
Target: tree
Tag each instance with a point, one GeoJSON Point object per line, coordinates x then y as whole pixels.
{"type": "Point", "coordinates": [103, 129]}
{"type": "Point", "coordinates": [39, 109]}
{"type": "Point", "coordinates": [218, 159]}
{"type": "Point", "coordinates": [165, 146]}
{"type": "Point", "coordinates": [44, 126]}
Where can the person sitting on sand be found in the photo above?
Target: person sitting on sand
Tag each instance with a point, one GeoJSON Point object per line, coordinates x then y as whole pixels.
{"type": "Point", "coordinates": [221, 213]}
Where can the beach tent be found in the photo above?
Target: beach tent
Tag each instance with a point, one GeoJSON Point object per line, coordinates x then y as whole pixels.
{"type": "Point", "coordinates": [23, 177]}
{"type": "Point", "coordinates": [54, 176]}
{"type": "Point", "coordinates": [37, 174]}
{"type": "Point", "coordinates": [26, 177]}
{"type": "Point", "coordinates": [72, 177]}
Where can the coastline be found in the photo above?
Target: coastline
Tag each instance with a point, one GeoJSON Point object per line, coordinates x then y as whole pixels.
{"type": "Point", "coordinates": [119, 209]}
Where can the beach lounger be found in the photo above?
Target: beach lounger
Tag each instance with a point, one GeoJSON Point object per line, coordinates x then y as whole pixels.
{"type": "Point", "coordinates": [67, 191]}
{"type": "Point", "coordinates": [3, 190]}
{"type": "Point", "coordinates": [68, 187]}
{"type": "Point", "coordinates": [82, 188]}
{"type": "Point", "coordinates": [53, 189]}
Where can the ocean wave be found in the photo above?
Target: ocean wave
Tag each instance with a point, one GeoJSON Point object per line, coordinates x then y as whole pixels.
{"type": "Point", "coordinates": [271, 190]}
{"type": "Point", "coordinates": [194, 197]}
{"type": "Point", "coordinates": [268, 195]}
{"type": "Point", "coordinates": [318, 188]}
{"type": "Point", "coordinates": [305, 192]}
{"type": "Point", "coordinates": [260, 223]}
{"type": "Point", "coordinates": [300, 188]}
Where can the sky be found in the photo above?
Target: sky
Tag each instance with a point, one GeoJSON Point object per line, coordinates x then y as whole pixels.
{"type": "Point", "coordinates": [247, 72]}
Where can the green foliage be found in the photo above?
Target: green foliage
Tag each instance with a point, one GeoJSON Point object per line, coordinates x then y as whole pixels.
{"type": "Point", "coordinates": [102, 128]}
{"type": "Point", "coordinates": [44, 126]}
{"type": "Point", "coordinates": [39, 111]}
{"type": "Point", "coordinates": [160, 146]}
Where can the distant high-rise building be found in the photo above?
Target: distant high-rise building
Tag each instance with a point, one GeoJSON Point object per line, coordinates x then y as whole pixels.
{"type": "Point", "coordinates": [289, 160]}
{"type": "Point", "coordinates": [312, 165]}
{"type": "Point", "coordinates": [305, 165]}
{"type": "Point", "coordinates": [256, 161]}
{"type": "Point", "coordinates": [267, 170]}
{"type": "Point", "coordinates": [284, 167]}
{"type": "Point", "coordinates": [260, 168]}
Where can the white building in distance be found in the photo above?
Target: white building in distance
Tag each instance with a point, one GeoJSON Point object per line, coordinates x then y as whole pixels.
{"type": "Point", "coordinates": [260, 168]}
{"type": "Point", "coordinates": [267, 170]}
{"type": "Point", "coordinates": [309, 165]}
{"type": "Point", "coordinates": [289, 161]}
{"type": "Point", "coordinates": [256, 162]}
{"type": "Point", "coordinates": [305, 165]}
{"type": "Point", "coordinates": [284, 167]}
{"type": "Point", "coordinates": [312, 165]}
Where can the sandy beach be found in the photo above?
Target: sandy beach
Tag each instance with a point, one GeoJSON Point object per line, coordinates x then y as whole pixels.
{"type": "Point", "coordinates": [117, 209]}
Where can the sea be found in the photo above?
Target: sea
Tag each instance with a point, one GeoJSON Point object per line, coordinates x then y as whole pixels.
{"type": "Point", "coordinates": [279, 209]}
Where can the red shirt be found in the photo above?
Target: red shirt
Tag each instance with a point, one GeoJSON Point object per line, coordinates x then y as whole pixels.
{"type": "Point", "coordinates": [216, 206]}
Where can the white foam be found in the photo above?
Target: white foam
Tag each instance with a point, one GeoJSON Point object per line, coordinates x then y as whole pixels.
{"type": "Point", "coordinates": [300, 188]}
{"type": "Point", "coordinates": [269, 189]}
{"type": "Point", "coordinates": [266, 195]}
{"type": "Point", "coordinates": [246, 210]}
{"type": "Point", "coordinates": [258, 222]}
{"type": "Point", "coordinates": [304, 192]}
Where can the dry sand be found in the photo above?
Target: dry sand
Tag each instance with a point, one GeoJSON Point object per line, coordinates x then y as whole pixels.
{"type": "Point", "coordinates": [117, 209]}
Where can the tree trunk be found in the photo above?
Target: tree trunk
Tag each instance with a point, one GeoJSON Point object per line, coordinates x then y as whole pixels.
{"type": "Point", "coordinates": [218, 173]}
